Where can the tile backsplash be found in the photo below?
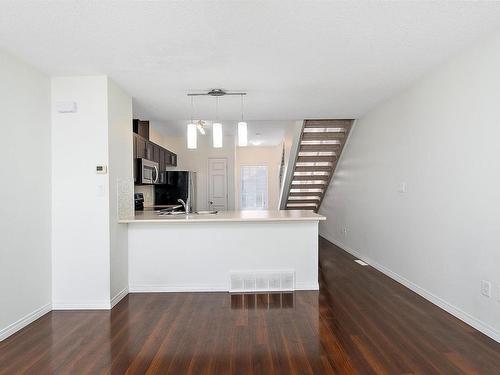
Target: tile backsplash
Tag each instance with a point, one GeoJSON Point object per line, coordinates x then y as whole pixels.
{"type": "Point", "coordinates": [125, 198]}
{"type": "Point", "coordinates": [148, 192]}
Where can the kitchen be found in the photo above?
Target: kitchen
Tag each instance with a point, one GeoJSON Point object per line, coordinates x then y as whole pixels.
{"type": "Point", "coordinates": [170, 250]}
{"type": "Point", "coordinates": [150, 162]}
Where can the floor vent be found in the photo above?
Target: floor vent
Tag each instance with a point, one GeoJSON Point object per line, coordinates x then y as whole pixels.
{"type": "Point", "coordinates": [360, 262]}
{"type": "Point", "coordinates": [261, 281]}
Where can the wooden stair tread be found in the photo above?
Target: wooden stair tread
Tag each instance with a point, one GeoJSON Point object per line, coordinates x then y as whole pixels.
{"type": "Point", "coordinates": [315, 201]}
{"type": "Point", "coordinates": [316, 159]}
{"type": "Point", "coordinates": [321, 136]}
{"type": "Point", "coordinates": [313, 168]}
{"type": "Point", "coordinates": [327, 123]}
{"type": "Point", "coordinates": [311, 178]}
{"type": "Point", "coordinates": [320, 148]}
{"type": "Point", "coordinates": [307, 186]}
{"type": "Point", "coordinates": [308, 208]}
{"type": "Point", "coordinates": [304, 194]}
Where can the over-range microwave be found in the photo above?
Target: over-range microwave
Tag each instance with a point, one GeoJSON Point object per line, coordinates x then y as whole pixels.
{"type": "Point", "coordinates": [147, 171]}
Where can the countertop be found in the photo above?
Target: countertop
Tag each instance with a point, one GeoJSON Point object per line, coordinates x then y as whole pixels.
{"type": "Point", "coordinates": [162, 206]}
{"type": "Point", "coordinates": [225, 216]}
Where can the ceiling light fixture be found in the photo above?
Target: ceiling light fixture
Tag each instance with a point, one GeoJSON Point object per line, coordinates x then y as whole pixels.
{"type": "Point", "coordinates": [191, 131]}
{"type": "Point", "coordinates": [216, 93]}
{"type": "Point", "coordinates": [217, 127]}
{"type": "Point", "coordinates": [201, 126]}
{"type": "Point", "coordinates": [217, 133]}
{"type": "Point", "coordinates": [191, 137]}
{"type": "Point", "coordinates": [242, 129]}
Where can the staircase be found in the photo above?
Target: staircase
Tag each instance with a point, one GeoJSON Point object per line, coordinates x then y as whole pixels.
{"type": "Point", "coordinates": [321, 143]}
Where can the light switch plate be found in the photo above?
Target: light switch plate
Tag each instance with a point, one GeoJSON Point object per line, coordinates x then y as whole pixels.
{"type": "Point", "coordinates": [66, 107]}
{"type": "Point", "coordinates": [100, 192]}
{"type": "Point", "coordinates": [486, 288]}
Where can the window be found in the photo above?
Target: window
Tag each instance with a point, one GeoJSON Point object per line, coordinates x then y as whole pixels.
{"type": "Point", "coordinates": [253, 192]}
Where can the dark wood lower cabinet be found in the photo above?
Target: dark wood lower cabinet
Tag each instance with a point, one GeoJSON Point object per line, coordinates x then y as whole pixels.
{"type": "Point", "coordinates": [360, 322]}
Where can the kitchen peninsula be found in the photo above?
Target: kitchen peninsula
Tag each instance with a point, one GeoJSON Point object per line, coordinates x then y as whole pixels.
{"type": "Point", "coordinates": [230, 250]}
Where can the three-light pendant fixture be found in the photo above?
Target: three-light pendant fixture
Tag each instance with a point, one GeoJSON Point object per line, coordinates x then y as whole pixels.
{"type": "Point", "coordinates": [217, 134]}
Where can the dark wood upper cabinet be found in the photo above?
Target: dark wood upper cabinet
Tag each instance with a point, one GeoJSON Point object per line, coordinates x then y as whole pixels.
{"type": "Point", "coordinates": [143, 148]}
{"type": "Point", "coordinates": [134, 148]}
{"type": "Point", "coordinates": [162, 159]}
{"type": "Point", "coordinates": [149, 150]}
{"type": "Point", "coordinates": [141, 128]}
{"type": "Point", "coordinates": [156, 153]}
{"type": "Point", "coordinates": [134, 152]}
{"type": "Point", "coordinates": [171, 159]}
{"type": "Point", "coordinates": [140, 147]}
{"type": "Point", "coordinates": [168, 159]}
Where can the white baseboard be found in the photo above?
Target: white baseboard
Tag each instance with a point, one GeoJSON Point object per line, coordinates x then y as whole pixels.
{"type": "Point", "coordinates": [81, 305]}
{"type": "Point", "coordinates": [200, 288]}
{"type": "Point", "coordinates": [119, 296]}
{"type": "Point", "coordinates": [177, 288]}
{"type": "Point", "coordinates": [449, 308]}
{"type": "Point", "coordinates": [24, 321]}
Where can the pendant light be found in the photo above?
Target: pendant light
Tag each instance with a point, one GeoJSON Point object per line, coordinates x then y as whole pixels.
{"type": "Point", "coordinates": [217, 127]}
{"type": "Point", "coordinates": [242, 129]}
{"type": "Point", "coordinates": [191, 131]}
{"type": "Point", "coordinates": [200, 125]}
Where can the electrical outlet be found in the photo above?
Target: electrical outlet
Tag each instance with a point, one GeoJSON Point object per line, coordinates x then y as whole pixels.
{"type": "Point", "coordinates": [402, 187]}
{"type": "Point", "coordinates": [344, 231]}
{"type": "Point", "coordinates": [486, 288]}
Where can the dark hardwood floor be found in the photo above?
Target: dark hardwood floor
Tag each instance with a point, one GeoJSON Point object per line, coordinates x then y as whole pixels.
{"type": "Point", "coordinates": [361, 322]}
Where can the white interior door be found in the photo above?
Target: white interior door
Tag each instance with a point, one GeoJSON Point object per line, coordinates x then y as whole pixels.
{"type": "Point", "coordinates": [217, 184]}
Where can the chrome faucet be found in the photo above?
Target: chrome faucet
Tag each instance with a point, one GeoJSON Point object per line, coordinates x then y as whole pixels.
{"type": "Point", "coordinates": [185, 204]}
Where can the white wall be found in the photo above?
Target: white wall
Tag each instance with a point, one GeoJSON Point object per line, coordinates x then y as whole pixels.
{"type": "Point", "coordinates": [440, 137]}
{"type": "Point", "coordinates": [88, 249]}
{"type": "Point", "coordinates": [120, 177]}
{"type": "Point", "coordinates": [157, 137]}
{"type": "Point", "coordinates": [80, 235]}
{"type": "Point", "coordinates": [269, 156]}
{"type": "Point", "coordinates": [25, 260]}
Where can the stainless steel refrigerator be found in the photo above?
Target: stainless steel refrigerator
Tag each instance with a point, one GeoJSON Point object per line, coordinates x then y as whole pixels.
{"type": "Point", "coordinates": [176, 185]}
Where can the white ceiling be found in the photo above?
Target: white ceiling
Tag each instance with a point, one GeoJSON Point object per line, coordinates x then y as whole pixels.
{"type": "Point", "coordinates": [296, 59]}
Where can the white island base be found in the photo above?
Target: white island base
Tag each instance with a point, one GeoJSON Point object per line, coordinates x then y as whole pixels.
{"type": "Point", "coordinates": [199, 253]}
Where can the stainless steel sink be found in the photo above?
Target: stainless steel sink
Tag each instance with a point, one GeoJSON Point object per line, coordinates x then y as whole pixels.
{"type": "Point", "coordinates": [206, 212]}
{"type": "Point", "coordinates": [165, 213]}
